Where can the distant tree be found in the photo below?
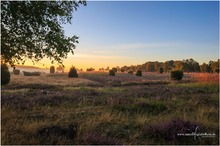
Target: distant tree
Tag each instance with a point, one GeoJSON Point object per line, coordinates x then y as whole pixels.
{"type": "Point", "coordinates": [115, 69]}
{"type": "Point", "coordinates": [33, 30]}
{"type": "Point", "coordinates": [157, 65]}
{"type": "Point", "coordinates": [90, 69]}
{"type": "Point", "coordinates": [166, 66]}
{"type": "Point", "coordinates": [60, 68]}
{"type": "Point", "coordinates": [107, 69]}
{"type": "Point", "coordinates": [178, 65]}
{"type": "Point", "coordinates": [204, 67]}
{"type": "Point", "coordinates": [118, 68]}
{"type": "Point", "coordinates": [150, 67]}
{"type": "Point", "coordinates": [101, 69]}
{"type": "Point", "coordinates": [131, 72]}
{"type": "Point", "coordinates": [190, 65]}
{"type": "Point", "coordinates": [215, 66]}
{"type": "Point", "coordinates": [122, 70]}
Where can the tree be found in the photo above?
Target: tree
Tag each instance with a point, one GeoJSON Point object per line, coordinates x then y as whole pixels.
{"type": "Point", "coordinates": [115, 69]}
{"type": "Point", "coordinates": [150, 67]}
{"type": "Point", "coordinates": [60, 68]}
{"type": "Point", "coordinates": [178, 65]}
{"type": "Point", "coordinates": [190, 65]}
{"type": "Point", "coordinates": [32, 30]}
{"type": "Point", "coordinates": [204, 67]}
{"type": "Point", "coordinates": [215, 66]}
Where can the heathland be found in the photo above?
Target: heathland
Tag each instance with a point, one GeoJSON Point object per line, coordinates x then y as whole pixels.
{"type": "Point", "coordinates": [96, 108]}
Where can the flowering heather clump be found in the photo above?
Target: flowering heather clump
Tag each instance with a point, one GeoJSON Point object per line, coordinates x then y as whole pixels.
{"type": "Point", "coordinates": [168, 130]}
{"type": "Point", "coordinates": [95, 138]}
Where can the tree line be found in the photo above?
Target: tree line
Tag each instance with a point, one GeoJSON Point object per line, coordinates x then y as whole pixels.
{"type": "Point", "coordinates": [186, 65]}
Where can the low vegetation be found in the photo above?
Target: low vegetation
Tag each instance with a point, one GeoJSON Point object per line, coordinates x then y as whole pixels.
{"type": "Point", "coordinates": [52, 69]}
{"type": "Point", "coordinates": [31, 73]}
{"type": "Point", "coordinates": [177, 75]}
{"type": "Point", "coordinates": [96, 108]}
{"type": "Point", "coordinates": [16, 71]}
{"type": "Point", "coordinates": [5, 74]}
{"type": "Point", "coordinates": [73, 73]}
{"type": "Point", "coordinates": [112, 72]}
{"type": "Point", "coordinates": [139, 73]}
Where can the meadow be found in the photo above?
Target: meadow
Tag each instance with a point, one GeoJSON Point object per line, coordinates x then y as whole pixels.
{"type": "Point", "coordinates": [100, 109]}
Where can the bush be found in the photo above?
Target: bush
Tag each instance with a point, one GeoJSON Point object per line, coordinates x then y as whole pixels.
{"type": "Point", "coordinates": [176, 75]}
{"type": "Point", "coordinates": [73, 73]}
{"type": "Point", "coordinates": [161, 70]}
{"type": "Point", "coordinates": [16, 71]}
{"type": "Point", "coordinates": [5, 74]}
{"type": "Point", "coordinates": [168, 130]}
{"type": "Point", "coordinates": [52, 69]}
{"type": "Point", "coordinates": [130, 72]}
{"type": "Point", "coordinates": [122, 70]}
{"type": "Point", "coordinates": [112, 73]}
{"type": "Point", "coordinates": [139, 73]}
{"type": "Point", "coordinates": [31, 73]}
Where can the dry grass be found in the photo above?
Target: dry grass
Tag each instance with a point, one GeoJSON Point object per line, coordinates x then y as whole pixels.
{"type": "Point", "coordinates": [206, 77]}
{"type": "Point", "coordinates": [117, 114]}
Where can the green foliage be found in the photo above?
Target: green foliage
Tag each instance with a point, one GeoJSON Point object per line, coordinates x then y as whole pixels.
{"type": "Point", "coordinates": [112, 73]}
{"type": "Point", "coordinates": [33, 30]}
{"type": "Point", "coordinates": [177, 75]}
{"type": "Point", "coordinates": [190, 65]}
{"type": "Point", "coordinates": [16, 71]}
{"type": "Point", "coordinates": [73, 73]}
{"type": "Point", "coordinates": [5, 74]}
{"type": "Point", "coordinates": [31, 73]}
{"type": "Point", "coordinates": [122, 70]}
{"type": "Point", "coordinates": [52, 69]}
{"type": "Point", "coordinates": [139, 73]}
{"type": "Point", "coordinates": [161, 70]}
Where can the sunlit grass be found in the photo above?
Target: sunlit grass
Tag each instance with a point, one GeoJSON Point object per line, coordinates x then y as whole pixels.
{"type": "Point", "coordinates": [96, 105]}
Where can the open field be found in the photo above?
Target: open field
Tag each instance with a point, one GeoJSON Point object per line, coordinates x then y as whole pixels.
{"type": "Point", "coordinates": [100, 109]}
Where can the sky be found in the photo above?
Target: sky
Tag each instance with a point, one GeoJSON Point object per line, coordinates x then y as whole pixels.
{"type": "Point", "coordinates": [122, 33]}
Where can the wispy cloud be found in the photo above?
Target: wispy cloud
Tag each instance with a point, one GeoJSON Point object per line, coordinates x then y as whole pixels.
{"type": "Point", "coordinates": [93, 56]}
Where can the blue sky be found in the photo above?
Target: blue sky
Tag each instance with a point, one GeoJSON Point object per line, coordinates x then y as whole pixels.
{"type": "Point", "coordinates": [129, 33]}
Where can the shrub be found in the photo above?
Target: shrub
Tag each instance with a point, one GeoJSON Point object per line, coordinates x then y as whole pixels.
{"type": "Point", "coordinates": [5, 74]}
{"type": "Point", "coordinates": [16, 71]}
{"type": "Point", "coordinates": [161, 70]}
{"type": "Point", "coordinates": [139, 73]}
{"type": "Point", "coordinates": [31, 73]}
{"type": "Point", "coordinates": [122, 70]}
{"type": "Point", "coordinates": [73, 73]}
{"type": "Point", "coordinates": [112, 73]}
{"type": "Point", "coordinates": [168, 130]}
{"type": "Point", "coordinates": [176, 75]}
{"type": "Point", "coordinates": [52, 69]}
{"type": "Point", "coordinates": [130, 72]}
